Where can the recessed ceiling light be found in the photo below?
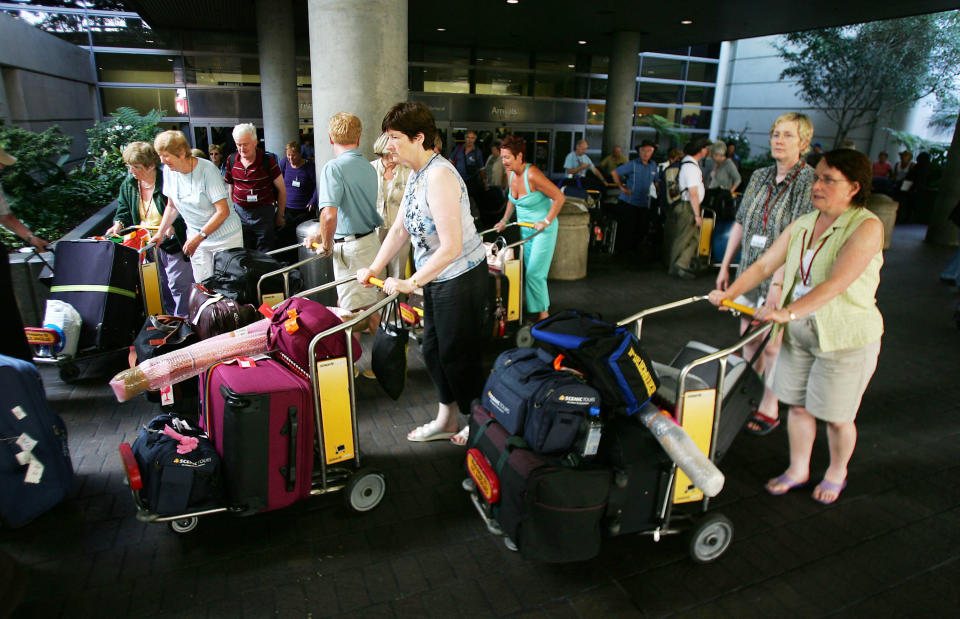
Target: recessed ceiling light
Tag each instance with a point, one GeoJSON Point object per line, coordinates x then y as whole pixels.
{"type": "Point", "coordinates": [582, 42]}
{"type": "Point", "coordinates": [513, 1]}
{"type": "Point", "coordinates": [686, 22]}
{"type": "Point", "coordinates": [570, 66]}
{"type": "Point", "coordinates": [441, 29]}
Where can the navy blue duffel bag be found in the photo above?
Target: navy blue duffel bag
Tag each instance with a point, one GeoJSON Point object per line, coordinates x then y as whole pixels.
{"type": "Point", "coordinates": [532, 399]}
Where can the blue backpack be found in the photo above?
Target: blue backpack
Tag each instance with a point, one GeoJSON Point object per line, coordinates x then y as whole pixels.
{"type": "Point", "coordinates": [609, 356]}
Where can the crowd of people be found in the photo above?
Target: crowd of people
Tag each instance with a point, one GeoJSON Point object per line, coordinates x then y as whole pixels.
{"type": "Point", "coordinates": [809, 252]}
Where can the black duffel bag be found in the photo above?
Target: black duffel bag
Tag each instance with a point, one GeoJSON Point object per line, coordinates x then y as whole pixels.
{"type": "Point", "coordinates": [552, 513]}
{"type": "Point", "coordinates": [177, 483]}
{"type": "Point", "coordinates": [236, 272]}
{"type": "Point", "coordinates": [160, 335]}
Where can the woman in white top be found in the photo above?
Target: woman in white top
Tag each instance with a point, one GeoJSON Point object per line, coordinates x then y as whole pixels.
{"type": "Point", "coordinates": [391, 181]}
{"type": "Point", "coordinates": [197, 192]}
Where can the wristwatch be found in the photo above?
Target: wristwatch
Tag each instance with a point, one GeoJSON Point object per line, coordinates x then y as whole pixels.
{"type": "Point", "coordinates": [792, 316]}
{"type": "Point", "coordinates": [203, 235]}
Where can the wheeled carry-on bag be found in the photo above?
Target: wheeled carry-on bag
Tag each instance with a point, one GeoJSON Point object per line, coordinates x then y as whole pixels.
{"type": "Point", "coordinates": [101, 280]}
{"type": "Point", "coordinates": [552, 513]}
{"type": "Point", "coordinates": [35, 468]}
{"type": "Point", "coordinates": [259, 415]}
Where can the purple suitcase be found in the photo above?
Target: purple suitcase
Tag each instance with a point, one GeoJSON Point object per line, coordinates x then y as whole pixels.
{"type": "Point", "coordinates": [261, 422]}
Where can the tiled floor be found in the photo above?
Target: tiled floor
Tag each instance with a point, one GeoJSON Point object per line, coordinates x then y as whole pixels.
{"type": "Point", "coordinates": [889, 547]}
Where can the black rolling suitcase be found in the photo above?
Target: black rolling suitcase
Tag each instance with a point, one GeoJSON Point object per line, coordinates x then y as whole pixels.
{"type": "Point", "coordinates": [35, 468]}
{"type": "Point", "coordinates": [552, 513]}
{"type": "Point", "coordinates": [101, 280]}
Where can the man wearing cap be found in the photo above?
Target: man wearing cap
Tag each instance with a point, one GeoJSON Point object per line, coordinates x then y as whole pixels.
{"type": "Point", "coordinates": [14, 343]}
{"type": "Point", "coordinates": [633, 208]}
{"type": "Point", "coordinates": [347, 197]}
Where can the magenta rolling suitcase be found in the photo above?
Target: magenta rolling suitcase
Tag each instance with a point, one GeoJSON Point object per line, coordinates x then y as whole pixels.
{"type": "Point", "coordinates": [261, 422]}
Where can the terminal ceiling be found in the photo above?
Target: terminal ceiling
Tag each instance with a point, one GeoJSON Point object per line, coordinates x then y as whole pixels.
{"type": "Point", "coordinates": [558, 25]}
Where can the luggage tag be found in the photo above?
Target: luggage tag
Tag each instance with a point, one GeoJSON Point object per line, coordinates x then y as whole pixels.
{"type": "Point", "coordinates": [251, 197]}
{"type": "Point", "coordinates": [758, 240]}
{"type": "Point", "coordinates": [26, 442]}
{"type": "Point", "coordinates": [18, 412]}
{"type": "Point", "coordinates": [166, 395]}
{"type": "Point", "coordinates": [266, 310]}
{"type": "Point", "coordinates": [24, 457]}
{"type": "Point", "coordinates": [34, 472]}
{"type": "Point", "coordinates": [295, 182]}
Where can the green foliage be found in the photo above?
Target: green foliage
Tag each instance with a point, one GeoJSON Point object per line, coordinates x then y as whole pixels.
{"type": "Point", "coordinates": [108, 138]}
{"type": "Point", "coordinates": [945, 113]}
{"type": "Point", "coordinates": [916, 144]}
{"type": "Point", "coordinates": [739, 140]}
{"type": "Point", "coordinates": [850, 73]}
{"type": "Point", "coordinates": [662, 127]}
{"type": "Point", "coordinates": [50, 199]}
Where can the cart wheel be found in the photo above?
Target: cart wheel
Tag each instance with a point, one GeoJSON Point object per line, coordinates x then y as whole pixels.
{"type": "Point", "coordinates": [184, 525]}
{"type": "Point", "coordinates": [69, 372]}
{"type": "Point", "coordinates": [365, 490]}
{"type": "Point", "coordinates": [524, 337]}
{"type": "Point", "coordinates": [711, 538]}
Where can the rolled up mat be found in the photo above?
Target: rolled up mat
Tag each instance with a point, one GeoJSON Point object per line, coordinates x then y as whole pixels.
{"type": "Point", "coordinates": [188, 362]}
{"type": "Point", "coordinates": [682, 450]}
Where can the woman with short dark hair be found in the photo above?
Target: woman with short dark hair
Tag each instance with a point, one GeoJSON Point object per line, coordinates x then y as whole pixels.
{"type": "Point", "coordinates": [831, 258]}
{"type": "Point", "coordinates": [450, 266]}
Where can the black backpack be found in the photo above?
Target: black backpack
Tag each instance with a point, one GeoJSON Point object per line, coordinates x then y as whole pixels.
{"type": "Point", "coordinates": [236, 272]}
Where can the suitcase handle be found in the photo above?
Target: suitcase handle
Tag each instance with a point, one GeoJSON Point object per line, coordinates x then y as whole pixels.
{"type": "Point", "coordinates": [290, 470]}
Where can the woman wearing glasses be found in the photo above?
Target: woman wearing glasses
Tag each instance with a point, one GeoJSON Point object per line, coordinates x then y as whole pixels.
{"type": "Point", "coordinates": [831, 259]}
{"type": "Point", "coordinates": [141, 202]}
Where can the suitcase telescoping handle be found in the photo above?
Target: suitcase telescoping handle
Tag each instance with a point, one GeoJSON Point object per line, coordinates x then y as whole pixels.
{"type": "Point", "coordinates": [293, 428]}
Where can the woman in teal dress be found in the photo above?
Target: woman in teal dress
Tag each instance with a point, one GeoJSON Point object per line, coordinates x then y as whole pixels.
{"type": "Point", "coordinates": [537, 201]}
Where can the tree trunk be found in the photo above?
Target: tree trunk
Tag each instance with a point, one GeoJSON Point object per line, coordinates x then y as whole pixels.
{"type": "Point", "coordinates": [941, 230]}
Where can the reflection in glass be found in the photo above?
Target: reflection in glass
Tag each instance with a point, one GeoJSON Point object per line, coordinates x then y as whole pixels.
{"type": "Point", "coordinates": [222, 70]}
{"type": "Point", "coordinates": [698, 95]}
{"type": "Point", "coordinates": [595, 113]}
{"type": "Point", "coordinates": [443, 79]}
{"type": "Point", "coordinates": [135, 68]}
{"type": "Point", "coordinates": [502, 83]}
{"type": "Point", "coordinates": [141, 99]}
{"type": "Point", "coordinates": [663, 68]}
{"type": "Point", "coordinates": [702, 72]}
{"type": "Point", "coordinates": [650, 92]}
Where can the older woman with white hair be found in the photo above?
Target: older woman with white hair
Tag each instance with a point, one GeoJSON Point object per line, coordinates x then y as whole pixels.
{"type": "Point", "coordinates": [391, 181]}
{"type": "Point", "coordinates": [724, 174]}
{"type": "Point", "coordinates": [197, 193]}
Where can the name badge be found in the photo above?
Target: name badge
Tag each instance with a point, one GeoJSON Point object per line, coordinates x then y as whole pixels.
{"type": "Point", "coordinates": [251, 197]}
{"type": "Point", "coordinates": [758, 240]}
{"type": "Point", "coordinates": [799, 290]}
{"type": "Point", "coordinates": [295, 183]}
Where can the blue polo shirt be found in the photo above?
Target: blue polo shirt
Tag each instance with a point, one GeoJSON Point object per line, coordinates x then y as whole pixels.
{"type": "Point", "coordinates": [637, 177]}
{"type": "Point", "coordinates": [349, 183]}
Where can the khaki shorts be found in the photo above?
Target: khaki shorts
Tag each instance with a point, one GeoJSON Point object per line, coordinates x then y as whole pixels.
{"type": "Point", "coordinates": [348, 258]}
{"type": "Point", "coordinates": [830, 385]}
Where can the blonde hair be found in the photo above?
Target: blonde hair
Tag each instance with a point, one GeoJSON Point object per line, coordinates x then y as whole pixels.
{"type": "Point", "coordinates": [172, 142]}
{"type": "Point", "coordinates": [140, 154]}
{"type": "Point", "coordinates": [804, 127]}
{"type": "Point", "coordinates": [345, 128]}
{"type": "Point", "coordinates": [293, 144]}
{"type": "Point", "coordinates": [380, 146]}
{"type": "Point", "coordinates": [199, 154]}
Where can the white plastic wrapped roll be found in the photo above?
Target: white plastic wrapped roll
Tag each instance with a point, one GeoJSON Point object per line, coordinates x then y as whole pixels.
{"type": "Point", "coordinates": [683, 451]}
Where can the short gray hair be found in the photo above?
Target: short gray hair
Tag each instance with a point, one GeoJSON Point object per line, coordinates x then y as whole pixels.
{"type": "Point", "coordinates": [244, 128]}
{"type": "Point", "coordinates": [718, 148]}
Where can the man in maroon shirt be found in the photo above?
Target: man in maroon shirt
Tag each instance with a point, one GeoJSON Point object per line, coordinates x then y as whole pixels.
{"type": "Point", "coordinates": [256, 185]}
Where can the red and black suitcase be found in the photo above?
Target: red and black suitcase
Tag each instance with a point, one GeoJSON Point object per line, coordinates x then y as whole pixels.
{"type": "Point", "coordinates": [260, 417]}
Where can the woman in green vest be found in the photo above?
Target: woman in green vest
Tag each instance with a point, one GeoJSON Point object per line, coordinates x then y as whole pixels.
{"type": "Point", "coordinates": [832, 327]}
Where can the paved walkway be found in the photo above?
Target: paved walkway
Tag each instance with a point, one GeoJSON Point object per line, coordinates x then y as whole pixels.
{"type": "Point", "coordinates": [889, 547]}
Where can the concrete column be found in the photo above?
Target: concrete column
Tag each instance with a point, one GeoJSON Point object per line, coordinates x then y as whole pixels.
{"type": "Point", "coordinates": [941, 230]}
{"type": "Point", "coordinates": [358, 64]}
{"type": "Point", "coordinates": [720, 92]}
{"type": "Point", "coordinates": [278, 73]}
{"type": "Point", "coordinates": [621, 91]}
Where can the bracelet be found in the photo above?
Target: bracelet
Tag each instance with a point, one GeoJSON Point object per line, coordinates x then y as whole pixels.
{"type": "Point", "coordinates": [547, 221]}
{"type": "Point", "coordinates": [413, 280]}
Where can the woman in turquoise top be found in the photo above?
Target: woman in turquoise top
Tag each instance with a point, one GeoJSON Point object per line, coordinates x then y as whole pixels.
{"type": "Point", "coordinates": [831, 261]}
{"type": "Point", "coordinates": [539, 204]}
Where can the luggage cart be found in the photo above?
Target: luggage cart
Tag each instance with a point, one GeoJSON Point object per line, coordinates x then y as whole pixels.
{"type": "Point", "coordinates": [339, 468]}
{"type": "Point", "coordinates": [696, 404]}
{"type": "Point", "coordinates": [274, 298]}
{"type": "Point", "coordinates": [511, 267]}
{"type": "Point", "coordinates": [149, 281]}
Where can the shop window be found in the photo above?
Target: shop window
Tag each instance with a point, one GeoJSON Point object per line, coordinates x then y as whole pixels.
{"type": "Point", "coordinates": [671, 114]}
{"type": "Point", "coordinates": [135, 68]}
{"type": "Point", "coordinates": [595, 113]}
{"type": "Point", "coordinates": [444, 79]}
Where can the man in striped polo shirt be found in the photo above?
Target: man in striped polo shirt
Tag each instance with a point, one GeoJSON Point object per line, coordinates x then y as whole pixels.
{"type": "Point", "coordinates": [256, 188]}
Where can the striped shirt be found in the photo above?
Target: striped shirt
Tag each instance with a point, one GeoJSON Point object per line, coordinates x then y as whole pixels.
{"type": "Point", "coordinates": [767, 209]}
{"type": "Point", "coordinates": [252, 186]}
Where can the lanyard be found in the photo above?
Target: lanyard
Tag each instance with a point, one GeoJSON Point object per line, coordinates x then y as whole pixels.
{"type": "Point", "coordinates": [767, 207]}
{"type": "Point", "coordinates": [805, 278]}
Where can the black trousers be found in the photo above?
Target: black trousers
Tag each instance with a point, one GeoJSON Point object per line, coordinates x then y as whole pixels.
{"type": "Point", "coordinates": [633, 223]}
{"type": "Point", "coordinates": [453, 336]}
{"type": "Point", "coordinates": [14, 343]}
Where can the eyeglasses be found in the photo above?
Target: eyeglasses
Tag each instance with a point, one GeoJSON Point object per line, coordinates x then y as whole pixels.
{"type": "Point", "coordinates": [829, 182]}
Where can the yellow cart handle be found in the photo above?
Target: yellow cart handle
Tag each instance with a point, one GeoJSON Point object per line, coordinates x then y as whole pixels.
{"type": "Point", "coordinates": [743, 309]}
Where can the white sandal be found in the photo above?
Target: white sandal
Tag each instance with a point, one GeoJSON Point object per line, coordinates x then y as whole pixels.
{"type": "Point", "coordinates": [460, 438]}
{"type": "Point", "coordinates": [428, 432]}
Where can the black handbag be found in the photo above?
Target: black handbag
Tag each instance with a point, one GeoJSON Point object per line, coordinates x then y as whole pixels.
{"type": "Point", "coordinates": [389, 354]}
{"type": "Point", "coordinates": [171, 245]}
{"type": "Point", "coordinates": [162, 334]}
